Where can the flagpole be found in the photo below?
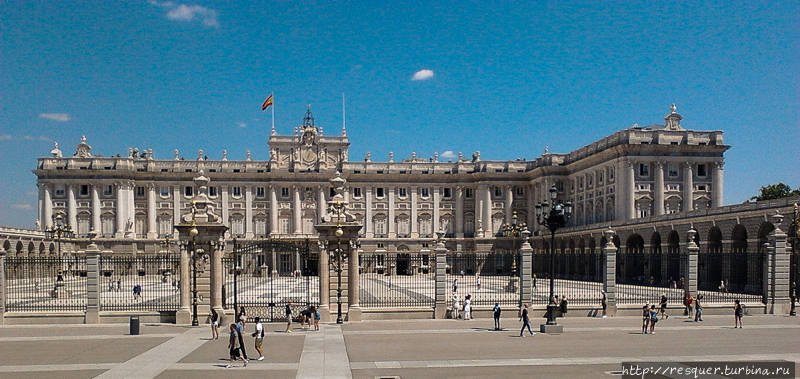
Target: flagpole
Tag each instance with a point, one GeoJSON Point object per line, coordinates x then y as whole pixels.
{"type": "Point", "coordinates": [273, 112]}
{"type": "Point", "coordinates": [344, 124]}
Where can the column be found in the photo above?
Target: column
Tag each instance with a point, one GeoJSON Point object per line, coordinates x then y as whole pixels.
{"type": "Point", "coordinates": [778, 301]}
{"type": "Point", "coordinates": [531, 207]}
{"type": "Point", "coordinates": [658, 190]}
{"type": "Point", "coordinates": [717, 185]}
{"type": "Point", "coordinates": [436, 208]}
{"type": "Point", "coordinates": [248, 212]}
{"type": "Point", "coordinates": [122, 198]}
{"type": "Point", "coordinates": [480, 191]}
{"type": "Point", "coordinates": [72, 207]}
{"type": "Point", "coordinates": [440, 307]}
{"type": "Point", "coordinates": [367, 216]}
{"type": "Point", "coordinates": [2, 285]}
{"type": "Point", "coordinates": [630, 191]}
{"type": "Point", "coordinates": [691, 267]}
{"type": "Point", "coordinates": [526, 272]}
{"type": "Point", "coordinates": [509, 204]}
{"type": "Point", "coordinates": [610, 279]}
{"type": "Point", "coordinates": [353, 277]}
{"type": "Point", "coordinates": [152, 232]}
{"type": "Point", "coordinates": [390, 223]}
{"type": "Point", "coordinates": [273, 212]}
{"type": "Point", "coordinates": [217, 250]}
{"type": "Point", "coordinates": [324, 271]}
{"type": "Point", "coordinates": [298, 226]}
{"type": "Point", "coordinates": [459, 212]}
{"type": "Point", "coordinates": [184, 314]}
{"type": "Point", "coordinates": [92, 284]}
{"type": "Point", "coordinates": [176, 207]}
{"type": "Point", "coordinates": [487, 222]}
{"type": "Point", "coordinates": [619, 191]}
{"type": "Point", "coordinates": [131, 188]}
{"type": "Point", "coordinates": [688, 188]}
{"type": "Point", "coordinates": [322, 205]}
{"type": "Point", "coordinates": [414, 209]}
{"type": "Point", "coordinates": [96, 209]}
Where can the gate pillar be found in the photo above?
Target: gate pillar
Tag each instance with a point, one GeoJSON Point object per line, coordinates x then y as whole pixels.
{"type": "Point", "coordinates": [778, 301]}
{"type": "Point", "coordinates": [2, 284]}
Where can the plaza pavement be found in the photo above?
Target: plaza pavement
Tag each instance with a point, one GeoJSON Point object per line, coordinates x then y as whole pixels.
{"type": "Point", "coordinates": [589, 348]}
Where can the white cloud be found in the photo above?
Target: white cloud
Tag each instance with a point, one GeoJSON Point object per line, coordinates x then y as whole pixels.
{"type": "Point", "coordinates": [8, 137]}
{"type": "Point", "coordinates": [21, 206]}
{"type": "Point", "coordinates": [5, 137]}
{"type": "Point", "coordinates": [448, 154]}
{"type": "Point", "coordinates": [422, 75]}
{"type": "Point", "coordinates": [62, 117]}
{"type": "Point", "coordinates": [242, 124]}
{"type": "Point", "coordinates": [189, 12]}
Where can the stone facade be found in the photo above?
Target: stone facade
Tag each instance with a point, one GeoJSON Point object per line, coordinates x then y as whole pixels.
{"type": "Point", "coordinates": [134, 200]}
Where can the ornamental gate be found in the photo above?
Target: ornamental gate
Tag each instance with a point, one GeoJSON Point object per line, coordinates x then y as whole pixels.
{"type": "Point", "coordinates": [264, 276]}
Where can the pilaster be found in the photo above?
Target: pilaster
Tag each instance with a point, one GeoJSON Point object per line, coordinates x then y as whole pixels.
{"type": "Point", "coordinates": [353, 277]}
{"type": "Point", "coordinates": [92, 284]}
{"type": "Point", "coordinates": [248, 212]}
{"type": "Point", "coordinates": [688, 188]}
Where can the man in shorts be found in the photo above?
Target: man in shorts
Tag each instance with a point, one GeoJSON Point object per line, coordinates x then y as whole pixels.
{"type": "Point", "coordinates": [259, 335]}
{"type": "Point", "coordinates": [233, 347]}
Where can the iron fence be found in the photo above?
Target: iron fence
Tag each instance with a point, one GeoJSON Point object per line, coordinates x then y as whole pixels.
{"type": "Point", "coordinates": [45, 284]}
{"type": "Point", "coordinates": [141, 283]}
{"type": "Point", "coordinates": [723, 277]}
{"type": "Point", "coordinates": [578, 277]}
{"type": "Point", "coordinates": [645, 277]}
{"type": "Point", "coordinates": [396, 280]}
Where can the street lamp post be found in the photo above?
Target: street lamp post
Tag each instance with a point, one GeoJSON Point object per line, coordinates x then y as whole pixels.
{"type": "Point", "coordinates": [339, 232]}
{"type": "Point", "coordinates": [514, 230]}
{"type": "Point", "coordinates": [58, 231]}
{"type": "Point", "coordinates": [553, 217]}
{"type": "Point", "coordinates": [193, 249]}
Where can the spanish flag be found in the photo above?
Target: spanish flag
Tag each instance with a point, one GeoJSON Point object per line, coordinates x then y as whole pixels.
{"type": "Point", "coordinates": [267, 103]}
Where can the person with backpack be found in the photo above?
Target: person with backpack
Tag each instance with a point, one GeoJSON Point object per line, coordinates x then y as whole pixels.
{"type": "Point", "coordinates": [497, 312]}
{"type": "Point", "coordinates": [259, 335]}
{"type": "Point", "coordinates": [698, 309]}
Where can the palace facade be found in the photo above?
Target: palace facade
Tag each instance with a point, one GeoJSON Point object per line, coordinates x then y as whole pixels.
{"type": "Point", "coordinates": [135, 200]}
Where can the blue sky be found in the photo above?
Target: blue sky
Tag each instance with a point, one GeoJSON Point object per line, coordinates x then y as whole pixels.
{"type": "Point", "coordinates": [508, 79]}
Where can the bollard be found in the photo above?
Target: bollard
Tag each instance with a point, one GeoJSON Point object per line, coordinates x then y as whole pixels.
{"type": "Point", "coordinates": [134, 329]}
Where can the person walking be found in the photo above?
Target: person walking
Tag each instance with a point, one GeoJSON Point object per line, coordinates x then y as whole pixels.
{"type": "Point", "coordinates": [468, 307]}
{"type": "Point", "coordinates": [456, 307]}
{"type": "Point", "coordinates": [233, 347]}
{"type": "Point", "coordinates": [259, 335]}
{"type": "Point", "coordinates": [240, 329]}
{"type": "Point", "coordinates": [604, 302]}
{"type": "Point", "coordinates": [653, 318]}
{"type": "Point", "coordinates": [214, 324]}
{"type": "Point", "coordinates": [687, 302]}
{"type": "Point", "coordinates": [664, 306]}
{"type": "Point", "coordinates": [645, 318]}
{"type": "Point", "coordinates": [243, 316]}
{"type": "Point", "coordinates": [563, 305]}
{"type": "Point", "coordinates": [738, 311]}
{"type": "Point", "coordinates": [497, 312]}
{"type": "Point", "coordinates": [526, 321]}
{"type": "Point", "coordinates": [698, 308]}
{"type": "Point", "coordinates": [288, 316]}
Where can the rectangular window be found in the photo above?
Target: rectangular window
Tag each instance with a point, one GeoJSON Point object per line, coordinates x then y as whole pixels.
{"type": "Point", "coordinates": [468, 193]}
{"type": "Point", "coordinates": [644, 169]}
{"type": "Point", "coordinates": [701, 188]}
{"type": "Point", "coordinates": [498, 192]}
{"type": "Point", "coordinates": [402, 192]}
{"type": "Point", "coordinates": [84, 190]}
{"type": "Point", "coordinates": [379, 192]}
{"type": "Point", "coordinates": [611, 174]}
{"type": "Point", "coordinates": [425, 192]}
{"type": "Point", "coordinates": [237, 191]}
{"type": "Point", "coordinates": [701, 170]}
{"type": "Point", "coordinates": [212, 191]}
{"type": "Point", "coordinates": [139, 191]}
{"type": "Point", "coordinates": [448, 192]}
{"type": "Point", "coordinates": [188, 190]}
{"type": "Point", "coordinates": [599, 177]}
{"type": "Point", "coordinates": [260, 192]}
{"type": "Point", "coordinates": [672, 170]}
{"type": "Point", "coordinates": [164, 191]}
{"type": "Point", "coordinates": [589, 180]}
{"type": "Point", "coordinates": [356, 192]}
{"type": "Point", "coordinates": [108, 190]}
{"type": "Point", "coordinates": [520, 191]}
{"type": "Point", "coordinates": [644, 213]}
{"type": "Point", "coordinates": [284, 191]}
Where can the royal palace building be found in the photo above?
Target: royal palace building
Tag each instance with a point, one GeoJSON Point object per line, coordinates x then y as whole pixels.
{"type": "Point", "coordinates": [136, 199]}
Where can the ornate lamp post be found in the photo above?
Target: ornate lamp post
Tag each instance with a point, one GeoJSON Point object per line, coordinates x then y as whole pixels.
{"type": "Point", "coordinates": [513, 230]}
{"type": "Point", "coordinates": [338, 260]}
{"type": "Point", "coordinates": [193, 250]}
{"type": "Point", "coordinates": [553, 217]}
{"type": "Point", "coordinates": [60, 230]}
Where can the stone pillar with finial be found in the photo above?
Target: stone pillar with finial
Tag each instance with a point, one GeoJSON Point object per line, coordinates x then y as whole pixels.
{"type": "Point", "coordinates": [2, 285]}
{"type": "Point", "coordinates": [692, 251]}
{"type": "Point", "coordinates": [526, 268]}
{"type": "Point", "coordinates": [778, 301]}
{"type": "Point", "coordinates": [92, 280]}
{"type": "Point", "coordinates": [440, 310]}
{"type": "Point", "coordinates": [610, 280]}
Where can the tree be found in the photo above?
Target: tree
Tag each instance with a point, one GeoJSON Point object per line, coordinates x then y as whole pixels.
{"type": "Point", "coordinates": [776, 191]}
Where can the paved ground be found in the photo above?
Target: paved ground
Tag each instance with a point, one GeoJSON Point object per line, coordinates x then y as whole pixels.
{"type": "Point", "coordinates": [589, 348]}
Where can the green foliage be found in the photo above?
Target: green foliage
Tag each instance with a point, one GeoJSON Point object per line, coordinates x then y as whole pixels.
{"type": "Point", "coordinates": [776, 191]}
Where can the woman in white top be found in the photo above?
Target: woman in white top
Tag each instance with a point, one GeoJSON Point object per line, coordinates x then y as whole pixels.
{"type": "Point", "coordinates": [456, 307]}
{"type": "Point", "coordinates": [468, 307]}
